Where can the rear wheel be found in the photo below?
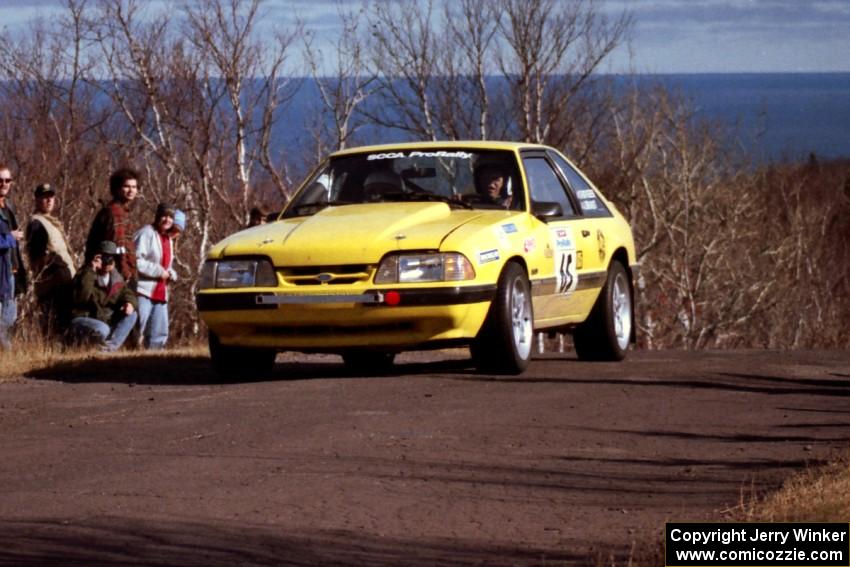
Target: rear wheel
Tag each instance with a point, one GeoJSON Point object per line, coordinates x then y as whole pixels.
{"type": "Point", "coordinates": [368, 362]}
{"type": "Point", "coordinates": [503, 345]}
{"type": "Point", "coordinates": [231, 362]}
{"type": "Point", "coordinates": [607, 332]}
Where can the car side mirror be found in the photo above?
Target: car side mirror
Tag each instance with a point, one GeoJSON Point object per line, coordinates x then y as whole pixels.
{"type": "Point", "coordinates": [546, 209]}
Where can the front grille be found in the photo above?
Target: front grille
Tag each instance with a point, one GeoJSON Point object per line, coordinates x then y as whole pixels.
{"type": "Point", "coordinates": [326, 275]}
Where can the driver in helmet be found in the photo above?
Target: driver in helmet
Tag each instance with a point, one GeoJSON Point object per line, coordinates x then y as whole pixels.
{"type": "Point", "coordinates": [492, 183]}
{"type": "Point", "coordinates": [379, 183]}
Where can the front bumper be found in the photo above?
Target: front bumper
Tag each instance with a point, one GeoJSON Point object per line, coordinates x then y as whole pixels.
{"type": "Point", "coordinates": [313, 321]}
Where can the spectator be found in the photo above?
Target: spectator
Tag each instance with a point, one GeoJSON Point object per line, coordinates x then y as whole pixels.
{"type": "Point", "coordinates": [113, 222]}
{"type": "Point", "coordinates": [179, 225]}
{"type": "Point", "coordinates": [50, 261]}
{"type": "Point", "coordinates": [13, 279]}
{"type": "Point", "coordinates": [154, 259]}
{"type": "Point", "coordinates": [257, 216]}
{"type": "Point", "coordinates": [104, 307]}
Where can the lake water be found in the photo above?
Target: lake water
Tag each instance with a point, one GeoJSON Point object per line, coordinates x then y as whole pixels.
{"type": "Point", "coordinates": [775, 115]}
{"type": "Point", "coordinates": [780, 115]}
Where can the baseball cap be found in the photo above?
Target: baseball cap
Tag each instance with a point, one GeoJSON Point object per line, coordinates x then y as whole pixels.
{"type": "Point", "coordinates": [43, 190]}
{"type": "Point", "coordinates": [107, 247]}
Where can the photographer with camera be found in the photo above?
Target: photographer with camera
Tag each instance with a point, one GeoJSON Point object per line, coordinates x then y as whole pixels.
{"type": "Point", "coordinates": [104, 307]}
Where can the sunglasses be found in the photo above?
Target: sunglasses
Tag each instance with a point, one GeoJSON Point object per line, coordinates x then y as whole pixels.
{"type": "Point", "coordinates": [107, 260]}
{"type": "Point", "coordinates": [5, 179]}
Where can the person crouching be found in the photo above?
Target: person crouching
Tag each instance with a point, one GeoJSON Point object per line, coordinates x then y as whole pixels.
{"type": "Point", "coordinates": [104, 307]}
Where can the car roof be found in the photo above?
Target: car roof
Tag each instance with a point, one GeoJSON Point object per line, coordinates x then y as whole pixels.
{"type": "Point", "coordinates": [468, 144]}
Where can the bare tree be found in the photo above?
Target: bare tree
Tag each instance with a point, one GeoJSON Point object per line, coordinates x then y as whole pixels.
{"type": "Point", "coordinates": [689, 207]}
{"type": "Point", "coordinates": [50, 116]}
{"type": "Point", "coordinates": [403, 54]}
{"type": "Point", "coordinates": [224, 32]}
{"type": "Point", "coordinates": [553, 48]}
{"type": "Point", "coordinates": [344, 86]}
{"type": "Point", "coordinates": [199, 108]}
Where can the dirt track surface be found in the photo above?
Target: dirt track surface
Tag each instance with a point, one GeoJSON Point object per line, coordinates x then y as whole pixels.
{"type": "Point", "coordinates": [148, 462]}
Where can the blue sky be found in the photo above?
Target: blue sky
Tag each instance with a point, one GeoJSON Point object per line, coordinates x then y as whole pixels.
{"type": "Point", "coordinates": [670, 36]}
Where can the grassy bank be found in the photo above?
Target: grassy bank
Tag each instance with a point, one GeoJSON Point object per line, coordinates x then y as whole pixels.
{"type": "Point", "coordinates": [30, 356]}
{"type": "Point", "coordinates": [818, 494]}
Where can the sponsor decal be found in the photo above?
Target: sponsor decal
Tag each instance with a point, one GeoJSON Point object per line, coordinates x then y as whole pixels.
{"type": "Point", "coordinates": [488, 256]}
{"type": "Point", "coordinates": [500, 235]}
{"type": "Point", "coordinates": [509, 228]}
{"type": "Point", "coordinates": [415, 154]}
{"type": "Point", "coordinates": [442, 154]}
{"type": "Point", "coordinates": [579, 260]}
{"type": "Point", "coordinates": [585, 194]}
{"type": "Point", "coordinates": [564, 244]}
{"type": "Point", "coordinates": [589, 205]}
{"type": "Point", "coordinates": [561, 232]}
{"type": "Point", "coordinates": [529, 245]}
{"type": "Point", "coordinates": [388, 155]}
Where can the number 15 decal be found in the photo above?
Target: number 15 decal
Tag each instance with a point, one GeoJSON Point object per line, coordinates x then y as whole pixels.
{"type": "Point", "coordinates": [566, 277]}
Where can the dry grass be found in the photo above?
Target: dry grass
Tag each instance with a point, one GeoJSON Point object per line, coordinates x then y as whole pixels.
{"type": "Point", "coordinates": [31, 356]}
{"type": "Point", "coordinates": [816, 494]}
{"type": "Point", "coordinates": [819, 494]}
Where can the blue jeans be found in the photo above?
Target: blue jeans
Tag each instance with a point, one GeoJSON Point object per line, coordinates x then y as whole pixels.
{"type": "Point", "coordinates": [8, 315]}
{"type": "Point", "coordinates": [112, 338]}
{"type": "Point", "coordinates": [153, 322]}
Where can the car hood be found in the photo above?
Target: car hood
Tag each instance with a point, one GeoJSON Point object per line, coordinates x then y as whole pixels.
{"type": "Point", "coordinates": [351, 234]}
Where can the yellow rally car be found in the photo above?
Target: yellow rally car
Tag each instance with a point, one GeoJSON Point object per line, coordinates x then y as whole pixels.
{"type": "Point", "coordinates": [426, 245]}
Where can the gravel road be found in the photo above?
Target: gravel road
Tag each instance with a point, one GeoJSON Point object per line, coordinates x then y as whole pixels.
{"type": "Point", "coordinates": [148, 461]}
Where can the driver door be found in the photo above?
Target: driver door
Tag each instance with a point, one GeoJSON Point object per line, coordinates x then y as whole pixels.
{"type": "Point", "coordinates": [570, 243]}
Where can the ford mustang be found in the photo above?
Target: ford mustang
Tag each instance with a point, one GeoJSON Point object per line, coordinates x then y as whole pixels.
{"type": "Point", "coordinates": [426, 245]}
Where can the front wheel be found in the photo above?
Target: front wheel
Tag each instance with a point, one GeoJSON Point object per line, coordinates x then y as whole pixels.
{"type": "Point", "coordinates": [607, 332]}
{"type": "Point", "coordinates": [504, 343]}
{"type": "Point", "coordinates": [231, 362]}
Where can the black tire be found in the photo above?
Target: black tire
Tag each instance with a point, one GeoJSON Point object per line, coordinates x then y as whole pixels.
{"type": "Point", "coordinates": [231, 363]}
{"type": "Point", "coordinates": [503, 345]}
{"type": "Point", "coordinates": [368, 362]}
{"type": "Point", "coordinates": [607, 332]}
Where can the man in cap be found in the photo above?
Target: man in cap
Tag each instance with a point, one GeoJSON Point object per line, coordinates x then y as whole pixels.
{"type": "Point", "coordinates": [154, 259]}
{"type": "Point", "coordinates": [12, 274]}
{"type": "Point", "coordinates": [104, 307]}
{"type": "Point", "coordinates": [50, 261]}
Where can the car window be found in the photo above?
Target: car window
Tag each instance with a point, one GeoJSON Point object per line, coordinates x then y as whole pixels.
{"type": "Point", "coordinates": [461, 178]}
{"type": "Point", "coordinates": [544, 184]}
{"type": "Point", "coordinates": [588, 200]}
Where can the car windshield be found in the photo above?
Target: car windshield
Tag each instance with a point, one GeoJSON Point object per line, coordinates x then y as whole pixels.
{"type": "Point", "coordinates": [471, 179]}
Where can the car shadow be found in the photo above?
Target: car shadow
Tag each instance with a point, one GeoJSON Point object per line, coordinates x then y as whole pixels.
{"type": "Point", "coordinates": [161, 369]}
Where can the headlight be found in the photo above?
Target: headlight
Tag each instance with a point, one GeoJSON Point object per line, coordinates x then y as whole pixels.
{"type": "Point", "coordinates": [237, 273]}
{"type": "Point", "coordinates": [421, 268]}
